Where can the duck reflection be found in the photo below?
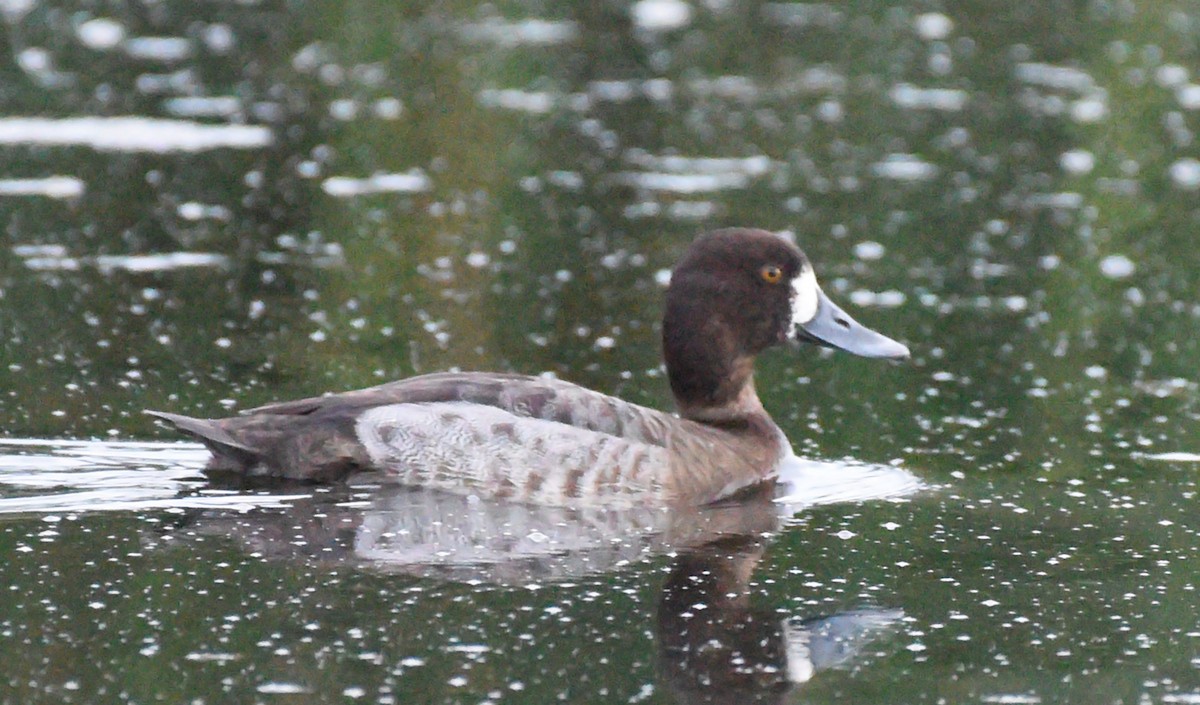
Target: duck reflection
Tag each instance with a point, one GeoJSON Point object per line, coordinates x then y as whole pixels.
{"type": "Point", "coordinates": [429, 533]}
{"type": "Point", "coordinates": [713, 646]}
{"type": "Point", "coordinates": [433, 534]}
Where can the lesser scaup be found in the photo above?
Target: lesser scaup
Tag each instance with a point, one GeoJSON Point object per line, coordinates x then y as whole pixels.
{"type": "Point", "coordinates": [735, 293]}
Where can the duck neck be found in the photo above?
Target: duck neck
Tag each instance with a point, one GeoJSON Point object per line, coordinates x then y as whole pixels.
{"type": "Point", "coordinates": [711, 381]}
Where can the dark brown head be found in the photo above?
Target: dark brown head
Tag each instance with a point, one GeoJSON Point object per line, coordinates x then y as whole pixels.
{"type": "Point", "coordinates": [735, 293]}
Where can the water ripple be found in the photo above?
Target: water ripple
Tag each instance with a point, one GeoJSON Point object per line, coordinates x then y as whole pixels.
{"type": "Point", "coordinates": [44, 477]}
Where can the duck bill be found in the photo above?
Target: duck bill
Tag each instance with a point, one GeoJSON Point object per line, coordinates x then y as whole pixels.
{"type": "Point", "coordinates": [834, 328]}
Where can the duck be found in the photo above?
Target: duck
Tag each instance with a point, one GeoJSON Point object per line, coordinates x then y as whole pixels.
{"type": "Point", "coordinates": [735, 293]}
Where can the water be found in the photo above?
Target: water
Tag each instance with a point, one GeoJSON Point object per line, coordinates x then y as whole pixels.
{"type": "Point", "coordinates": [205, 211]}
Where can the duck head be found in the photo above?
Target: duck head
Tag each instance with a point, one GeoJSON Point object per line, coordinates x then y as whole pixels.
{"type": "Point", "coordinates": [735, 293]}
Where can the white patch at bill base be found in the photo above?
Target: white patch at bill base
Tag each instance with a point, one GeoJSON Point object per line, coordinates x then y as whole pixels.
{"type": "Point", "coordinates": [805, 297]}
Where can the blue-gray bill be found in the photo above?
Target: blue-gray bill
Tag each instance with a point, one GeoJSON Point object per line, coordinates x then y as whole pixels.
{"type": "Point", "coordinates": [834, 328]}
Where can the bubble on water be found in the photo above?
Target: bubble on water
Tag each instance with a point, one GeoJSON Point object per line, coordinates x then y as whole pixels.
{"type": "Point", "coordinates": [1077, 161]}
{"type": "Point", "coordinates": [101, 33]}
{"type": "Point", "coordinates": [933, 25]}
{"type": "Point", "coordinates": [1170, 75]}
{"type": "Point", "coordinates": [940, 63]}
{"type": "Point", "coordinates": [883, 299]}
{"type": "Point", "coordinates": [1117, 267]}
{"type": "Point", "coordinates": [192, 210]}
{"type": "Point", "coordinates": [691, 210]}
{"type": "Point", "coordinates": [1088, 110]}
{"type": "Point", "coordinates": [904, 167]}
{"type": "Point", "coordinates": [203, 106]}
{"type": "Point", "coordinates": [683, 183]}
{"type": "Point", "coordinates": [1185, 173]}
{"type": "Point", "coordinates": [1188, 96]}
{"type": "Point", "coordinates": [34, 60]}
{"type": "Point", "coordinates": [661, 15]}
{"type": "Point", "coordinates": [343, 109]}
{"type": "Point", "coordinates": [218, 37]}
{"type": "Point", "coordinates": [536, 102]}
{"type": "Point", "coordinates": [167, 49]}
{"type": "Point", "coordinates": [1016, 303]}
{"type": "Point", "coordinates": [1058, 77]}
{"type": "Point", "coordinates": [869, 250]}
{"type": "Point", "coordinates": [1061, 200]}
{"type": "Point", "coordinates": [281, 688]}
{"type": "Point", "coordinates": [388, 108]}
{"type": "Point", "coordinates": [528, 32]}
{"type": "Point", "coordinates": [907, 95]}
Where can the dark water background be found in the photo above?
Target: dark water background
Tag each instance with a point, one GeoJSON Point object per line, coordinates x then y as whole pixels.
{"type": "Point", "coordinates": [210, 206]}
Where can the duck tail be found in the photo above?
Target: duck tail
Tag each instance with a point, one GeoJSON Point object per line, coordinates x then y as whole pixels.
{"type": "Point", "coordinates": [223, 446]}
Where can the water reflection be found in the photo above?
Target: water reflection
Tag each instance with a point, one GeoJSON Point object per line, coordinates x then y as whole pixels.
{"type": "Point", "coordinates": [429, 533]}
{"type": "Point", "coordinates": [713, 645]}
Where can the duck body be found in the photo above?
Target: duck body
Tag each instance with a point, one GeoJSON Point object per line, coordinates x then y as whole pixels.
{"type": "Point", "coordinates": [546, 441]}
{"type": "Point", "coordinates": [506, 436]}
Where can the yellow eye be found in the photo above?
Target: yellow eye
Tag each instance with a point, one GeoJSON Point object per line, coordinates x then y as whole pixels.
{"type": "Point", "coordinates": [771, 274]}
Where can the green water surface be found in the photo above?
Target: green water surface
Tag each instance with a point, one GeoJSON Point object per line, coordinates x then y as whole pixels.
{"type": "Point", "coordinates": [1010, 188]}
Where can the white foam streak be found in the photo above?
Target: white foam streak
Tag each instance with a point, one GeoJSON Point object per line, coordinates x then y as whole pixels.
{"type": "Point", "coordinates": [1171, 457]}
{"type": "Point", "coordinates": [529, 32]}
{"type": "Point", "coordinates": [51, 261]}
{"type": "Point", "coordinates": [93, 476]}
{"type": "Point", "coordinates": [1057, 77]}
{"type": "Point", "coordinates": [203, 106]}
{"type": "Point", "coordinates": [684, 183]}
{"type": "Point", "coordinates": [62, 187]}
{"type": "Point", "coordinates": [904, 167]}
{"type": "Point", "coordinates": [168, 49]}
{"type": "Point", "coordinates": [131, 134]}
{"type": "Point", "coordinates": [949, 100]}
{"type": "Point", "coordinates": [536, 102]}
{"type": "Point", "coordinates": [412, 181]}
{"type": "Point", "coordinates": [754, 166]}
{"type": "Point", "coordinates": [806, 483]}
